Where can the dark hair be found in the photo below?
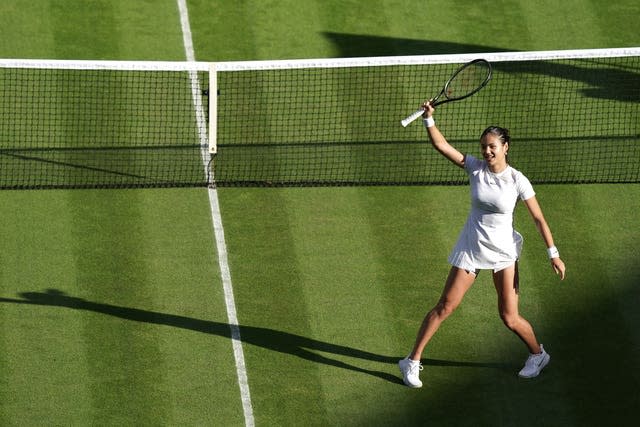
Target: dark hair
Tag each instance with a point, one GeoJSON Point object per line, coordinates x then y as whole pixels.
{"type": "Point", "coordinates": [501, 133]}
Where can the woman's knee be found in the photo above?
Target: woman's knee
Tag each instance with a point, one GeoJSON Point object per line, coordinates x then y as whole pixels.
{"type": "Point", "coordinates": [510, 320]}
{"type": "Point", "coordinates": [444, 309]}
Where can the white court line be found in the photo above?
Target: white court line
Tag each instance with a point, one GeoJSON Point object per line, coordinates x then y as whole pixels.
{"type": "Point", "coordinates": [218, 229]}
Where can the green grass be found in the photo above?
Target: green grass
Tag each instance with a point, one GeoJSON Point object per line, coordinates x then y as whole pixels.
{"type": "Point", "coordinates": [391, 27]}
{"type": "Point", "coordinates": [122, 291]}
{"type": "Point", "coordinates": [111, 303]}
{"type": "Point", "coordinates": [351, 272]}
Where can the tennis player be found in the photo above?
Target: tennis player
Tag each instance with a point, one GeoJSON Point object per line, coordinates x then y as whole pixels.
{"type": "Point", "coordinates": [488, 241]}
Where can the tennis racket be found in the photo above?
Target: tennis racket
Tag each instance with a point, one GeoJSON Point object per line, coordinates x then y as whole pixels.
{"type": "Point", "coordinates": [464, 82]}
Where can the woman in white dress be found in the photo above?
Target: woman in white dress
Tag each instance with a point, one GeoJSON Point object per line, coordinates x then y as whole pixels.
{"type": "Point", "coordinates": [487, 241]}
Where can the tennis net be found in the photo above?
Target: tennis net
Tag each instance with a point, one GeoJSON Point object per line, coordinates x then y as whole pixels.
{"type": "Point", "coordinates": [573, 117]}
{"type": "Point", "coordinates": [88, 124]}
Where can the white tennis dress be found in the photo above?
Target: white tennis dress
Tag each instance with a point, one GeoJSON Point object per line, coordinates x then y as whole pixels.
{"type": "Point", "coordinates": [488, 240]}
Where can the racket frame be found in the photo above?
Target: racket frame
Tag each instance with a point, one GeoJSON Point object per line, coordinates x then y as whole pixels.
{"type": "Point", "coordinates": [435, 101]}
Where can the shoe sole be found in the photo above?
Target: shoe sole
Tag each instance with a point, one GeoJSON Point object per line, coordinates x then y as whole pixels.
{"type": "Point", "coordinates": [411, 385]}
{"type": "Point", "coordinates": [544, 363]}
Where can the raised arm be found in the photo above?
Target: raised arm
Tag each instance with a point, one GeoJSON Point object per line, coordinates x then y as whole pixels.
{"type": "Point", "coordinates": [545, 232]}
{"type": "Point", "coordinates": [438, 140]}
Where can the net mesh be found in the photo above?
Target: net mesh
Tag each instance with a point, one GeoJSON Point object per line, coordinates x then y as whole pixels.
{"type": "Point", "coordinates": [573, 118]}
{"type": "Point", "coordinates": [80, 128]}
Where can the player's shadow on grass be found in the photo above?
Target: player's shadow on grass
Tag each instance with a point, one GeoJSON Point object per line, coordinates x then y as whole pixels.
{"type": "Point", "coordinates": [282, 342]}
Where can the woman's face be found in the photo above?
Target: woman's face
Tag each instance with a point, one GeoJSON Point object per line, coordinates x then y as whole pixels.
{"type": "Point", "coordinates": [494, 152]}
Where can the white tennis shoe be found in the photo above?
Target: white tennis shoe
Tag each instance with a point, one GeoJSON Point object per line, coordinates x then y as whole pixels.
{"type": "Point", "coordinates": [534, 364]}
{"type": "Point", "coordinates": [410, 370]}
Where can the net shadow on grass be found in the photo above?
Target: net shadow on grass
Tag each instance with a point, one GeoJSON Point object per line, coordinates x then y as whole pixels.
{"type": "Point", "coordinates": [604, 82]}
{"type": "Point", "coordinates": [357, 45]}
{"type": "Point", "coordinates": [101, 167]}
{"type": "Point", "coordinates": [278, 341]}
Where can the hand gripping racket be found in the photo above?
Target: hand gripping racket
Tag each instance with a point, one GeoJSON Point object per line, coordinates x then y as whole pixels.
{"type": "Point", "coordinates": [465, 81]}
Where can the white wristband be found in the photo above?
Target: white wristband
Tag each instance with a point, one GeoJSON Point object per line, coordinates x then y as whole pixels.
{"type": "Point", "coordinates": [428, 122]}
{"type": "Point", "coordinates": [553, 252]}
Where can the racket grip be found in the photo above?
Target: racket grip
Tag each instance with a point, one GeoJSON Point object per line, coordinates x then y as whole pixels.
{"type": "Point", "coordinates": [412, 117]}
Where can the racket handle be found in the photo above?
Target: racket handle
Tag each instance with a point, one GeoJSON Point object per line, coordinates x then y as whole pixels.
{"type": "Point", "coordinates": [412, 117]}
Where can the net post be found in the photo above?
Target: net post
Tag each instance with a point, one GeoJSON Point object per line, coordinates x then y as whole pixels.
{"type": "Point", "coordinates": [213, 108]}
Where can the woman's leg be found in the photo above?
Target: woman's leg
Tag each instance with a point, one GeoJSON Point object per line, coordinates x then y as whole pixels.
{"type": "Point", "coordinates": [458, 283]}
{"type": "Point", "coordinates": [507, 285]}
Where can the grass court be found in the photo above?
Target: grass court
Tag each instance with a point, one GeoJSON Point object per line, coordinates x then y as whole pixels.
{"type": "Point", "coordinates": [112, 307]}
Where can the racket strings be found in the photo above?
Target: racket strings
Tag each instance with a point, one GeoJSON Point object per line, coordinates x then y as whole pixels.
{"type": "Point", "coordinates": [467, 81]}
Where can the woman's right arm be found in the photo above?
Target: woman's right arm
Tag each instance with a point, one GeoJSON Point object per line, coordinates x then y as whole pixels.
{"type": "Point", "coordinates": [439, 142]}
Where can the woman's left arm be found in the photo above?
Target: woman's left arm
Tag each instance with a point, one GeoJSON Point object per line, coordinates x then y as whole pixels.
{"type": "Point", "coordinates": [544, 230]}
